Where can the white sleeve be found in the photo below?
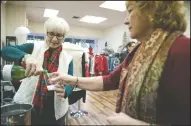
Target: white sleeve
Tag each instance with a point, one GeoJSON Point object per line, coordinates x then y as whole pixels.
{"type": "Point", "coordinates": [92, 65]}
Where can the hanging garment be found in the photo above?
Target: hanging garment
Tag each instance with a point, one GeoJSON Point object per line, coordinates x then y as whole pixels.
{"type": "Point", "coordinates": [83, 64]}
{"type": "Point", "coordinates": [87, 72]}
{"type": "Point", "coordinates": [110, 62]}
{"type": "Point", "coordinates": [91, 65]}
{"type": "Point", "coordinates": [79, 59]}
{"type": "Point", "coordinates": [101, 65]}
{"type": "Point", "coordinates": [116, 62]}
{"type": "Point", "coordinates": [98, 68]}
{"type": "Point", "coordinates": [77, 95]}
{"type": "Point", "coordinates": [123, 55]}
{"type": "Point", "coordinates": [105, 65]}
{"type": "Point", "coordinates": [90, 51]}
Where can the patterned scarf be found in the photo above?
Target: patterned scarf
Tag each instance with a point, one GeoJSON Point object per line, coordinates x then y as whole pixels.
{"type": "Point", "coordinates": [140, 79]}
{"type": "Point", "coordinates": [50, 63]}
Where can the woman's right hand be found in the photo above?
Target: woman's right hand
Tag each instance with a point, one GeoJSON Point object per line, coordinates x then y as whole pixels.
{"type": "Point", "coordinates": [62, 79]}
{"type": "Point", "coordinates": [32, 67]}
{"type": "Point", "coordinates": [85, 83]}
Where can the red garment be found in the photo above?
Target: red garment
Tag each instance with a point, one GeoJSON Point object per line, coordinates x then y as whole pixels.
{"type": "Point", "coordinates": [173, 100]}
{"type": "Point", "coordinates": [91, 56]}
{"type": "Point", "coordinates": [90, 50]}
{"type": "Point", "coordinates": [50, 63]}
{"type": "Point", "coordinates": [87, 73]}
{"type": "Point", "coordinates": [101, 65]}
{"type": "Point", "coordinates": [105, 65]}
{"type": "Point", "coordinates": [98, 65]}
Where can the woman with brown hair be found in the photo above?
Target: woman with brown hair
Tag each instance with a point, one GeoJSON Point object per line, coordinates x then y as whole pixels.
{"type": "Point", "coordinates": [154, 79]}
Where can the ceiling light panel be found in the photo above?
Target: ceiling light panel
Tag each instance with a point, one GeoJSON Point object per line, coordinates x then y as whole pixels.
{"type": "Point", "coordinates": [92, 19]}
{"type": "Point", "coordinates": [114, 5]}
{"type": "Point", "coordinates": [50, 13]}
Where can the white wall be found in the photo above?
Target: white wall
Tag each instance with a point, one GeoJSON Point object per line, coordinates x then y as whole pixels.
{"type": "Point", "coordinates": [3, 24]}
{"type": "Point", "coordinates": [38, 27]}
{"type": "Point", "coordinates": [85, 32]}
{"type": "Point", "coordinates": [15, 17]}
{"type": "Point", "coordinates": [3, 27]}
{"type": "Point", "coordinates": [114, 35]}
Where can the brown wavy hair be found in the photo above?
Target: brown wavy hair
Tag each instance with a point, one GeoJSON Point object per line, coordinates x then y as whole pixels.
{"type": "Point", "coordinates": [168, 15]}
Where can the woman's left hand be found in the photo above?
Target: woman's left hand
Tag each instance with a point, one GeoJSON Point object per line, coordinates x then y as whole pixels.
{"type": "Point", "coordinates": [124, 119]}
{"type": "Point", "coordinates": [60, 91]}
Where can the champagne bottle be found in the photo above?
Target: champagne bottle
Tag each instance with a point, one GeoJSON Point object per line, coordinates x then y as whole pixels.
{"type": "Point", "coordinates": [14, 72]}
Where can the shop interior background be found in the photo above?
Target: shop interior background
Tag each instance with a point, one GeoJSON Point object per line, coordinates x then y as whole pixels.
{"type": "Point", "coordinates": [30, 14]}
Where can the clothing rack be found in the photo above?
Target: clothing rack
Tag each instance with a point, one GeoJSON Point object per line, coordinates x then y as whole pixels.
{"type": "Point", "coordinates": [76, 52]}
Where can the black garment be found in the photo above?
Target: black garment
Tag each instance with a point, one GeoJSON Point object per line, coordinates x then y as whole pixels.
{"type": "Point", "coordinates": [83, 65]}
{"type": "Point", "coordinates": [47, 117]}
{"type": "Point", "coordinates": [123, 55]}
{"type": "Point", "coordinates": [16, 84]}
{"type": "Point", "coordinates": [77, 95]}
{"type": "Point", "coordinates": [90, 63]}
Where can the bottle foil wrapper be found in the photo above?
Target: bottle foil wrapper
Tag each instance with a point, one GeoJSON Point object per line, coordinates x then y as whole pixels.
{"type": "Point", "coordinates": [7, 72]}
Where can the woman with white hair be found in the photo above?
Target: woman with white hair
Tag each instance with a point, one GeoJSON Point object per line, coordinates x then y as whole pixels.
{"type": "Point", "coordinates": [50, 108]}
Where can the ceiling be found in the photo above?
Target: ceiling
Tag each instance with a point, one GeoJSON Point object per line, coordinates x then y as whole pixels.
{"type": "Point", "coordinates": [68, 9]}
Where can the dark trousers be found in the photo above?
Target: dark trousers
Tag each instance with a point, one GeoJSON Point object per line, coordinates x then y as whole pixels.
{"type": "Point", "coordinates": [47, 117]}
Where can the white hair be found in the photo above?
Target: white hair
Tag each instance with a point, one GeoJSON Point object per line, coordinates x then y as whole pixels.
{"type": "Point", "coordinates": [58, 24]}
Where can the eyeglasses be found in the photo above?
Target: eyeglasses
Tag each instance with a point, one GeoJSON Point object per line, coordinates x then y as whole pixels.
{"type": "Point", "coordinates": [58, 36]}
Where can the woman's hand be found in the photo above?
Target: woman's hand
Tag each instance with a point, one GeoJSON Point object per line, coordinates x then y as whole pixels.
{"type": "Point", "coordinates": [60, 91]}
{"type": "Point", "coordinates": [124, 119]}
{"type": "Point", "coordinates": [32, 67]}
{"type": "Point", "coordinates": [61, 79]}
{"type": "Point", "coordinates": [118, 119]}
